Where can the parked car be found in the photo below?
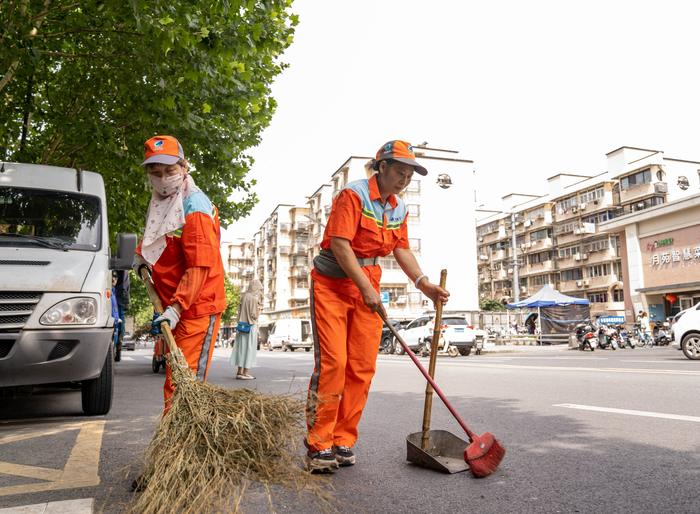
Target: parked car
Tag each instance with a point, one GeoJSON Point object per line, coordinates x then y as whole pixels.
{"type": "Point", "coordinates": [387, 344]}
{"type": "Point", "coordinates": [129, 343]}
{"type": "Point", "coordinates": [290, 334]}
{"type": "Point", "coordinates": [686, 332]}
{"type": "Point", "coordinates": [456, 332]}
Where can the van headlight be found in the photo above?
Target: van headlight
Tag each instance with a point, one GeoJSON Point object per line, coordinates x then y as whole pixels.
{"type": "Point", "coordinates": [76, 311]}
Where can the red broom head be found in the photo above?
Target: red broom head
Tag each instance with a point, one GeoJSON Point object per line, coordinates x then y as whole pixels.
{"type": "Point", "coordinates": [484, 455]}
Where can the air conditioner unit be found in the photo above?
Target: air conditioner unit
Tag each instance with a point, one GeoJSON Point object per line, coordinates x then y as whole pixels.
{"type": "Point", "coordinates": [661, 187]}
{"type": "Point", "coordinates": [560, 212]}
{"type": "Point", "coordinates": [579, 283]}
{"type": "Point", "coordinates": [510, 271]}
{"type": "Point", "coordinates": [484, 257]}
{"type": "Point", "coordinates": [481, 239]}
{"type": "Point", "coordinates": [528, 223]}
{"type": "Point", "coordinates": [528, 245]}
{"type": "Point", "coordinates": [595, 202]}
{"type": "Point", "coordinates": [585, 282]}
{"type": "Point", "coordinates": [523, 290]}
{"type": "Point", "coordinates": [577, 257]}
{"type": "Point", "coordinates": [522, 246]}
{"type": "Point", "coordinates": [577, 231]}
{"type": "Point", "coordinates": [584, 256]}
{"type": "Point", "coordinates": [574, 209]}
{"type": "Point", "coordinates": [583, 206]}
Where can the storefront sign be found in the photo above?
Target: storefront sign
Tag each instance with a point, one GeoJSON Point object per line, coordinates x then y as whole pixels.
{"type": "Point", "coordinates": [675, 255]}
{"type": "Point", "coordinates": [659, 243]}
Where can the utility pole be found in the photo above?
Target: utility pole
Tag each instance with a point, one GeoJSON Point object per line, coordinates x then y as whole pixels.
{"type": "Point", "coordinates": [516, 274]}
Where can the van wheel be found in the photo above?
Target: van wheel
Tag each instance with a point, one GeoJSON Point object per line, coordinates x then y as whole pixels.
{"type": "Point", "coordinates": [691, 346]}
{"type": "Point", "coordinates": [465, 351]}
{"type": "Point", "coordinates": [97, 393]}
{"type": "Point", "coordinates": [284, 348]}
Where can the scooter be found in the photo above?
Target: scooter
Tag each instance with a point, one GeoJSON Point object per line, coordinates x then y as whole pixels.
{"type": "Point", "coordinates": [586, 336]}
{"type": "Point", "coordinates": [607, 338]}
{"type": "Point", "coordinates": [624, 338]}
{"type": "Point", "coordinates": [662, 334]}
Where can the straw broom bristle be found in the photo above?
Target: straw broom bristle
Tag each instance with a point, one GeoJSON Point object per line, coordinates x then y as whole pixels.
{"type": "Point", "coordinates": [214, 442]}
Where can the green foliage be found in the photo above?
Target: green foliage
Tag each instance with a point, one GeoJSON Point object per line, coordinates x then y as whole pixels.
{"type": "Point", "coordinates": [233, 299]}
{"type": "Point", "coordinates": [489, 304]}
{"type": "Point", "coordinates": [140, 306]}
{"type": "Point", "coordinates": [84, 84]}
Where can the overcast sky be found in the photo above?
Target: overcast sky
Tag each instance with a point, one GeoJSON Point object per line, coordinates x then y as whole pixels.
{"type": "Point", "coordinates": [525, 89]}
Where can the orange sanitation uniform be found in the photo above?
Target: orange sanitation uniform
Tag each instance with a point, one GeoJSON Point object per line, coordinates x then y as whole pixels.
{"type": "Point", "coordinates": [346, 332]}
{"type": "Point", "coordinates": [190, 272]}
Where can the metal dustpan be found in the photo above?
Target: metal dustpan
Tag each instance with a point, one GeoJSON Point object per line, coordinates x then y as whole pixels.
{"type": "Point", "coordinates": [444, 452]}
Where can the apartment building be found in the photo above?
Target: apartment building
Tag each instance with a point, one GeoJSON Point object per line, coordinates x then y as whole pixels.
{"type": "Point", "coordinates": [290, 238]}
{"type": "Point", "coordinates": [558, 238]}
{"type": "Point", "coordinates": [238, 257]}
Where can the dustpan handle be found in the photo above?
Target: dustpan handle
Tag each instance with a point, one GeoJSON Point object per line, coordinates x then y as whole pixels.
{"type": "Point", "coordinates": [436, 388]}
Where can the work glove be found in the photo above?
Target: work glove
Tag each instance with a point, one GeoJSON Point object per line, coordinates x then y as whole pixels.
{"type": "Point", "coordinates": [169, 315]}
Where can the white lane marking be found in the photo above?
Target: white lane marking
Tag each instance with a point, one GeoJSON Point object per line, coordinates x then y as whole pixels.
{"type": "Point", "coordinates": [556, 368]}
{"type": "Point", "coordinates": [674, 361]}
{"type": "Point", "coordinates": [643, 413]}
{"type": "Point", "coordinates": [83, 506]}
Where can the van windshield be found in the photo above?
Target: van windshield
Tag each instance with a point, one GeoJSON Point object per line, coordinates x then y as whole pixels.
{"type": "Point", "coordinates": [55, 219]}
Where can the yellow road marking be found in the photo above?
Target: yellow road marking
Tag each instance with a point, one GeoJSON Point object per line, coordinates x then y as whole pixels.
{"type": "Point", "coordinates": [81, 469]}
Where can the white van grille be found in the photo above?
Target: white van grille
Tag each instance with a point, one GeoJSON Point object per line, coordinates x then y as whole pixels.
{"type": "Point", "coordinates": [15, 309]}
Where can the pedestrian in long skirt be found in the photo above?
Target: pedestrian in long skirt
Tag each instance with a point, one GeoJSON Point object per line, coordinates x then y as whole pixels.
{"type": "Point", "coordinates": [245, 346]}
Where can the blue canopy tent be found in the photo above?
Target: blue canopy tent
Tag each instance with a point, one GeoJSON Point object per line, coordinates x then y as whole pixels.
{"type": "Point", "coordinates": [557, 313]}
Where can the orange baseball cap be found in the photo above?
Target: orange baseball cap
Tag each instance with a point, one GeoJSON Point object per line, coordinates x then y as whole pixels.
{"type": "Point", "coordinates": [163, 150]}
{"type": "Point", "coordinates": [400, 151]}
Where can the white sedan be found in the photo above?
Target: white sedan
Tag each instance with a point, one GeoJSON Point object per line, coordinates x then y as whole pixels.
{"type": "Point", "coordinates": [457, 335]}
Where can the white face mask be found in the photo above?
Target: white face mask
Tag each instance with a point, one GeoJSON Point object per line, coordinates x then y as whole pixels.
{"type": "Point", "coordinates": [167, 186]}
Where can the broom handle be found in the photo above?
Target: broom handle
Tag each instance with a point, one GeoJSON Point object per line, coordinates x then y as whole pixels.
{"type": "Point", "coordinates": [145, 275]}
{"type": "Point", "coordinates": [437, 389]}
{"type": "Point", "coordinates": [428, 406]}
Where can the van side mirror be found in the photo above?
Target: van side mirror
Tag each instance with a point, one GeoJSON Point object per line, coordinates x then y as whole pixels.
{"type": "Point", "coordinates": [126, 247]}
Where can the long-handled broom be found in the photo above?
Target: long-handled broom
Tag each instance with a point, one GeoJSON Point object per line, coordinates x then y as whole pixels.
{"type": "Point", "coordinates": [484, 454]}
{"type": "Point", "coordinates": [213, 442]}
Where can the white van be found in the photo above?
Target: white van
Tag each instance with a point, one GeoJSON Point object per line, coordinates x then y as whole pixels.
{"type": "Point", "coordinates": [290, 334]}
{"type": "Point", "coordinates": [56, 281]}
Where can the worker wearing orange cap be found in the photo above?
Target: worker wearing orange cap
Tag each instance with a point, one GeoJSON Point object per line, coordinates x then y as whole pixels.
{"type": "Point", "coordinates": [181, 246]}
{"type": "Point", "coordinates": [367, 221]}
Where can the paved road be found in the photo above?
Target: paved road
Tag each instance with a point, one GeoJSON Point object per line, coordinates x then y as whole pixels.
{"type": "Point", "coordinates": [585, 432]}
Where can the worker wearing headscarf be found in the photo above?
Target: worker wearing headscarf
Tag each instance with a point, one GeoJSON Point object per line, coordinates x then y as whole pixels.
{"type": "Point", "coordinates": [246, 345]}
{"type": "Point", "coordinates": [181, 247]}
{"type": "Point", "coordinates": [367, 221]}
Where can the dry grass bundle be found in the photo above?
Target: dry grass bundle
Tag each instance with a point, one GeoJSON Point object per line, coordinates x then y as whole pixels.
{"type": "Point", "coordinates": [214, 442]}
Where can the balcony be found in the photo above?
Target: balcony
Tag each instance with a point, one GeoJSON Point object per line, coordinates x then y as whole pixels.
{"type": "Point", "coordinates": [301, 226]}
{"type": "Point", "coordinates": [601, 282]}
{"type": "Point", "coordinates": [285, 250]}
{"type": "Point", "coordinates": [299, 293]}
{"type": "Point", "coordinates": [540, 267]}
{"type": "Point", "coordinates": [643, 190]}
{"type": "Point", "coordinates": [540, 244]}
{"type": "Point", "coordinates": [285, 227]}
{"type": "Point", "coordinates": [573, 285]}
{"type": "Point", "coordinates": [300, 249]}
{"type": "Point", "coordinates": [300, 272]}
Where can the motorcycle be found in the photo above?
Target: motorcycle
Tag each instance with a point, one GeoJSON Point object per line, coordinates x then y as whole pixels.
{"type": "Point", "coordinates": [624, 338]}
{"type": "Point", "coordinates": [662, 334]}
{"type": "Point", "coordinates": [586, 336]}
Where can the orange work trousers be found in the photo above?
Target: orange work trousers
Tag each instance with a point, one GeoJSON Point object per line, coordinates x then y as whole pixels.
{"type": "Point", "coordinates": [346, 342]}
{"type": "Point", "coordinates": [196, 338]}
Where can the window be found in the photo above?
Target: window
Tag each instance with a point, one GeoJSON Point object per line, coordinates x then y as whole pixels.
{"type": "Point", "coordinates": [590, 196]}
{"type": "Point", "coordinates": [566, 204]}
{"type": "Point", "coordinates": [643, 204]}
{"type": "Point", "coordinates": [487, 229]}
{"type": "Point", "coordinates": [571, 274]}
{"type": "Point", "coordinates": [618, 295]}
{"type": "Point", "coordinates": [394, 291]}
{"type": "Point", "coordinates": [413, 212]}
{"type": "Point", "coordinates": [600, 217]}
{"type": "Point", "coordinates": [599, 270]}
{"type": "Point", "coordinates": [540, 280]}
{"type": "Point", "coordinates": [541, 234]}
{"type": "Point", "coordinates": [637, 179]}
{"type": "Point", "coordinates": [540, 257]}
{"type": "Point", "coordinates": [566, 228]}
{"type": "Point", "coordinates": [617, 269]}
{"type": "Point", "coordinates": [596, 246]}
{"type": "Point", "coordinates": [388, 263]}
{"type": "Point", "coordinates": [598, 297]}
{"type": "Point", "coordinates": [535, 215]}
{"type": "Point", "coordinates": [413, 186]}
{"type": "Point", "coordinates": [568, 252]}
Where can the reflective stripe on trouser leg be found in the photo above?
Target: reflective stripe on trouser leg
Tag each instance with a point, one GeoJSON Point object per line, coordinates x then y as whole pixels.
{"type": "Point", "coordinates": [191, 336]}
{"type": "Point", "coordinates": [328, 380]}
{"type": "Point", "coordinates": [364, 333]}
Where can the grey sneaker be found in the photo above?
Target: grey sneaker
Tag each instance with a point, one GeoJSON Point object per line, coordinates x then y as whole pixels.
{"type": "Point", "coordinates": [344, 456]}
{"type": "Point", "coordinates": [322, 461]}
